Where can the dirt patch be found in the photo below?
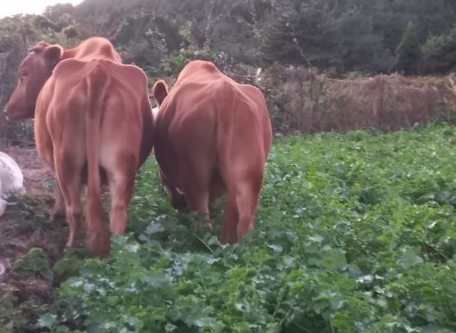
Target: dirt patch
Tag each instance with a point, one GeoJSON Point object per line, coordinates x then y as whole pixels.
{"type": "Point", "coordinates": [26, 225]}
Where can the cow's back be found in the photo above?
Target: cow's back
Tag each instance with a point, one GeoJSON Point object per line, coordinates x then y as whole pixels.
{"type": "Point", "coordinates": [204, 104]}
{"type": "Point", "coordinates": [93, 48]}
{"type": "Point", "coordinates": [66, 98]}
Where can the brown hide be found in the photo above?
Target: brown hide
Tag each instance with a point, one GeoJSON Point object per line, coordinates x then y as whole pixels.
{"type": "Point", "coordinates": [212, 136]}
{"type": "Point", "coordinates": [93, 124]}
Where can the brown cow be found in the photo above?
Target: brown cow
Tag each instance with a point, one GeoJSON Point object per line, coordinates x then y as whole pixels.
{"type": "Point", "coordinates": [212, 136]}
{"type": "Point", "coordinates": [93, 125]}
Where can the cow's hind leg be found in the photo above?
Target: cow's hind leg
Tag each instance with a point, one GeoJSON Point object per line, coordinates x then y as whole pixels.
{"type": "Point", "coordinates": [246, 204]}
{"type": "Point", "coordinates": [98, 240]}
{"type": "Point", "coordinates": [68, 175]}
{"type": "Point", "coordinates": [239, 212]}
{"type": "Point", "coordinates": [230, 217]}
{"type": "Point", "coordinates": [58, 211]}
{"type": "Point", "coordinates": [196, 188]}
{"type": "Point", "coordinates": [198, 201]}
{"type": "Point", "coordinates": [121, 181]}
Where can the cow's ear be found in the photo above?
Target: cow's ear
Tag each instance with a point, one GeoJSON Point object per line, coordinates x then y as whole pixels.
{"type": "Point", "coordinates": [52, 55]}
{"type": "Point", "coordinates": [160, 91]}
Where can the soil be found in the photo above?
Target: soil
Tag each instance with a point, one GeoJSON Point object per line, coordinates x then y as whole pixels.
{"type": "Point", "coordinates": [26, 225]}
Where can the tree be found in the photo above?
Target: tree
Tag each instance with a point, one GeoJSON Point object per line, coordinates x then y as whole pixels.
{"type": "Point", "coordinates": [146, 40]}
{"type": "Point", "coordinates": [16, 35]}
{"type": "Point", "coordinates": [360, 47]}
{"type": "Point", "coordinates": [408, 53]}
{"type": "Point", "coordinates": [439, 53]}
{"type": "Point", "coordinates": [301, 33]}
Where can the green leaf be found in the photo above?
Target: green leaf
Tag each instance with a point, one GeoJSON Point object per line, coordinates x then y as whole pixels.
{"type": "Point", "coordinates": [155, 280]}
{"type": "Point", "coordinates": [275, 248]}
{"type": "Point", "coordinates": [409, 257]}
{"type": "Point", "coordinates": [154, 228]}
{"type": "Point", "coordinates": [334, 259]}
{"type": "Point", "coordinates": [35, 262]}
{"type": "Point", "coordinates": [170, 327]}
{"type": "Point", "coordinates": [46, 320]}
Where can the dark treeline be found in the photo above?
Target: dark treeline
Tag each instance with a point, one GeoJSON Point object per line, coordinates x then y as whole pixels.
{"type": "Point", "coordinates": [338, 36]}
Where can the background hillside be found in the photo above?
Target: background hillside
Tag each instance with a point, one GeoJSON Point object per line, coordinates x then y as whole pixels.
{"type": "Point", "coordinates": [313, 38]}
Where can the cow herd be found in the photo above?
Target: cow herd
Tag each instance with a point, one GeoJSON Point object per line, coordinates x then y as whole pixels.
{"type": "Point", "coordinates": [94, 125]}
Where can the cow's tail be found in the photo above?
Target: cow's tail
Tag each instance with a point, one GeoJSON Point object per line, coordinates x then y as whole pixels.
{"type": "Point", "coordinates": [97, 86]}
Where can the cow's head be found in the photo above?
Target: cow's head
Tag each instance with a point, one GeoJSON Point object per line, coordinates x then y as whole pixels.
{"type": "Point", "coordinates": [33, 72]}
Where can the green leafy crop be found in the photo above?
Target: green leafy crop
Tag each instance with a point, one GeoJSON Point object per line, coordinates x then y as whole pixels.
{"type": "Point", "coordinates": [35, 262]}
{"type": "Point", "coordinates": [354, 232]}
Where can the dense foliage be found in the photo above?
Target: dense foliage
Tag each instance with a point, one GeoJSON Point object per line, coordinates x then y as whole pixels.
{"type": "Point", "coordinates": [354, 233]}
{"type": "Point", "coordinates": [348, 35]}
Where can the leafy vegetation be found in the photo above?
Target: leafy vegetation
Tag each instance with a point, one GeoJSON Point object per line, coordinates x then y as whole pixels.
{"type": "Point", "coordinates": [354, 233]}
{"type": "Point", "coordinates": [35, 262]}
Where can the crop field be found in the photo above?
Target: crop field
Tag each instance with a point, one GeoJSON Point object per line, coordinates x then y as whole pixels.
{"type": "Point", "coordinates": [354, 232]}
